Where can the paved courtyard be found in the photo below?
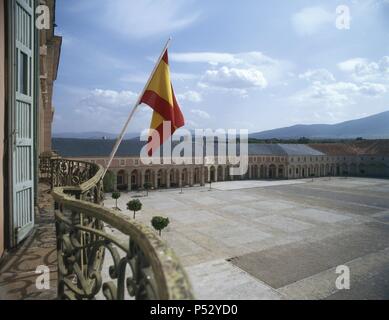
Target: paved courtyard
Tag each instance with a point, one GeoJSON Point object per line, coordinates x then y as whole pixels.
{"type": "Point", "coordinates": [278, 240]}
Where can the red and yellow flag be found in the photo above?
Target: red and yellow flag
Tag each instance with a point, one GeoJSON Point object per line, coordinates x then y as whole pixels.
{"type": "Point", "coordinates": [159, 95]}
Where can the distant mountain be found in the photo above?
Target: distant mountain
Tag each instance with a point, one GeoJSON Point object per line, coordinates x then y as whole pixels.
{"type": "Point", "coordinates": [92, 135]}
{"type": "Point", "coordinates": [372, 127]}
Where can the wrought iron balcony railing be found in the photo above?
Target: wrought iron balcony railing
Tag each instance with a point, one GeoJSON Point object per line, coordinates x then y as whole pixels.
{"type": "Point", "coordinates": [140, 267]}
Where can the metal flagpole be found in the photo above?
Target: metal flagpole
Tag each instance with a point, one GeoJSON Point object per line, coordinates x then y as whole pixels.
{"type": "Point", "coordinates": [123, 132]}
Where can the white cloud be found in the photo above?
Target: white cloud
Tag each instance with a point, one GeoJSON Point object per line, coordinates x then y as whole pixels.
{"type": "Point", "coordinates": [321, 75]}
{"type": "Point", "coordinates": [201, 113]}
{"type": "Point", "coordinates": [177, 76]}
{"type": "Point", "coordinates": [191, 124]}
{"type": "Point", "coordinates": [363, 70]}
{"type": "Point", "coordinates": [139, 19]}
{"type": "Point", "coordinates": [236, 73]}
{"type": "Point", "coordinates": [310, 20]}
{"type": "Point", "coordinates": [373, 89]}
{"type": "Point", "coordinates": [349, 65]}
{"type": "Point", "coordinates": [274, 70]}
{"type": "Point", "coordinates": [213, 58]}
{"type": "Point", "coordinates": [338, 94]}
{"type": "Point", "coordinates": [109, 99]}
{"type": "Point", "coordinates": [107, 109]}
{"type": "Point", "coordinates": [191, 96]}
{"type": "Point", "coordinates": [234, 78]}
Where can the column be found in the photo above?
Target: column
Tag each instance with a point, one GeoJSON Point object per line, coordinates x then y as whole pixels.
{"type": "Point", "coordinates": [202, 182]}
{"type": "Point", "coordinates": [168, 179]}
{"type": "Point", "coordinates": [250, 172]}
{"type": "Point", "coordinates": [191, 180]}
{"type": "Point", "coordinates": [142, 179]}
{"type": "Point", "coordinates": [180, 179]}
{"type": "Point", "coordinates": [129, 181]}
{"type": "Point", "coordinates": [115, 181]}
{"type": "Point", "coordinates": [155, 179]}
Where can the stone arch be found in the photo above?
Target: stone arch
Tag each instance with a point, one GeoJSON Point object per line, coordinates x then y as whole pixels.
{"type": "Point", "coordinates": [161, 178]}
{"type": "Point", "coordinates": [185, 177]}
{"type": "Point", "coordinates": [212, 174]}
{"type": "Point", "coordinates": [197, 176]}
{"type": "Point", "coordinates": [254, 174]}
{"type": "Point", "coordinates": [206, 174]}
{"type": "Point", "coordinates": [134, 179]}
{"type": "Point", "coordinates": [272, 171]}
{"type": "Point", "coordinates": [322, 170]}
{"type": "Point", "coordinates": [344, 169]}
{"type": "Point", "coordinates": [281, 171]}
{"type": "Point", "coordinates": [121, 180]}
{"type": "Point", "coordinates": [353, 170]}
{"type": "Point", "coordinates": [304, 172]}
{"type": "Point", "coordinates": [363, 170]}
{"type": "Point", "coordinates": [262, 172]}
{"type": "Point", "coordinates": [172, 178]}
{"type": "Point", "coordinates": [291, 172]}
{"type": "Point", "coordinates": [333, 169]}
{"type": "Point", "coordinates": [148, 176]}
{"type": "Point", "coordinates": [327, 172]}
{"type": "Point", "coordinates": [298, 171]}
{"type": "Point", "coordinates": [220, 173]}
{"type": "Point", "coordinates": [317, 170]}
{"type": "Point", "coordinates": [227, 174]}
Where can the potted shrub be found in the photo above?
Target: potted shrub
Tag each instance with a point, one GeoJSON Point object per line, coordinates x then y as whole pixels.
{"type": "Point", "coordinates": [160, 223]}
{"type": "Point", "coordinates": [116, 195]}
{"type": "Point", "coordinates": [147, 186]}
{"type": "Point", "coordinates": [134, 206]}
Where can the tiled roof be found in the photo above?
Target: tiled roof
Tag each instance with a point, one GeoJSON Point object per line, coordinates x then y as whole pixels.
{"type": "Point", "coordinates": [102, 148]}
{"type": "Point", "coordinates": [364, 147]}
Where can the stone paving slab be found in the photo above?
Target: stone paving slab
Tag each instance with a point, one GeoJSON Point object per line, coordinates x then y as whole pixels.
{"type": "Point", "coordinates": [322, 285]}
{"type": "Point", "coordinates": [296, 234]}
{"type": "Point", "coordinates": [249, 184]}
{"type": "Point", "coordinates": [318, 215]}
{"type": "Point", "coordinates": [219, 280]}
{"type": "Point", "coordinates": [284, 223]}
{"type": "Point", "coordinates": [304, 259]}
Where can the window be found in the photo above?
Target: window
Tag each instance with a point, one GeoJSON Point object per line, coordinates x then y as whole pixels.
{"type": "Point", "coordinates": [23, 74]}
{"type": "Point", "coordinates": [122, 162]}
{"type": "Point", "coordinates": [120, 179]}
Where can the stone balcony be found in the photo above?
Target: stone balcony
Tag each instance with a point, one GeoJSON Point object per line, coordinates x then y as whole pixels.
{"type": "Point", "coordinates": [86, 261]}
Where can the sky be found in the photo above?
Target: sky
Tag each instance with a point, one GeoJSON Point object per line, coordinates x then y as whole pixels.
{"type": "Point", "coordinates": [247, 64]}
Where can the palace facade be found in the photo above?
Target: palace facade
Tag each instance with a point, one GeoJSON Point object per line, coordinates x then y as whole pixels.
{"type": "Point", "coordinates": [266, 161]}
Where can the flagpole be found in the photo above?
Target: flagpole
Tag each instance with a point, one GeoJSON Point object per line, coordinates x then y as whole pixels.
{"type": "Point", "coordinates": [135, 107]}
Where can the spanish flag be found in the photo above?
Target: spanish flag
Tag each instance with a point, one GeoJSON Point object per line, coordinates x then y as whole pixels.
{"type": "Point", "coordinates": [159, 95]}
